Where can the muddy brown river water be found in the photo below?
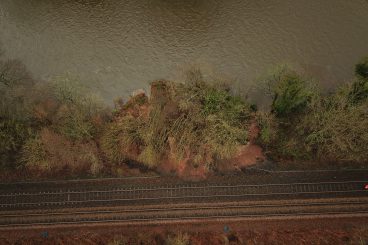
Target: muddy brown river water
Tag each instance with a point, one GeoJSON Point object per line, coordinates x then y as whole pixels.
{"type": "Point", "coordinates": [116, 47]}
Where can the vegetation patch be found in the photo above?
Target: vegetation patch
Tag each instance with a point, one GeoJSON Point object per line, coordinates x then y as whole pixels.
{"type": "Point", "coordinates": [304, 124]}
{"type": "Point", "coordinates": [198, 122]}
{"type": "Point", "coordinates": [60, 127]}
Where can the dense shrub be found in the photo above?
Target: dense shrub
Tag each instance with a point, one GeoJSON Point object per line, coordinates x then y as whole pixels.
{"type": "Point", "coordinates": [76, 113]}
{"type": "Point", "coordinates": [52, 153]}
{"type": "Point", "coordinates": [70, 121]}
{"type": "Point", "coordinates": [358, 91]}
{"type": "Point", "coordinates": [15, 124]}
{"type": "Point", "coordinates": [121, 138]}
{"type": "Point", "coordinates": [335, 130]}
{"type": "Point", "coordinates": [328, 128]}
{"type": "Point", "coordinates": [48, 126]}
{"type": "Point", "coordinates": [291, 93]}
{"type": "Point", "coordinates": [196, 121]}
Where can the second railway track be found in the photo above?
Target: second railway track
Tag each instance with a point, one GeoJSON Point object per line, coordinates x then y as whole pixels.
{"type": "Point", "coordinates": [187, 211]}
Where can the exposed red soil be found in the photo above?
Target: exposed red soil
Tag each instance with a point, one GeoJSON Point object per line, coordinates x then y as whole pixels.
{"type": "Point", "coordinates": [247, 155]}
{"type": "Point", "coordinates": [314, 231]}
{"type": "Point", "coordinates": [250, 153]}
{"type": "Point", "coordinates": [183, 170]}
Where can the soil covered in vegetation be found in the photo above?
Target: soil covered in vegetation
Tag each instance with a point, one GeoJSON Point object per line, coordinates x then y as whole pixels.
{"type": "Point", "coordinates": [184, 128]}
{"type": "Point", "coordinates": [191, 129]}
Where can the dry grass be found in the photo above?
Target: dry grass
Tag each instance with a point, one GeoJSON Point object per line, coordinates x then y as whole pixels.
{"type": "Point", "coordinates": [52, 153]}
{"type": "Point", "coordinates": [178, 239]}
{"type": "Point", "coordinates": [121, 138]}
{"type": "Point", "coordinates": [336, 130]}
{"type": "Point", "coordinates": [67, 122]}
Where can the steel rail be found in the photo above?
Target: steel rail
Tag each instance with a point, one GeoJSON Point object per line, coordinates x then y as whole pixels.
{"type": "Point", "coordinates": [185, 208]}
{"type": "Point", "coordinates": [127, 189]}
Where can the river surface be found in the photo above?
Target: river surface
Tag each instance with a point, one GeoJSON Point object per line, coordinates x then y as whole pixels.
{"type": "Point", "coordinates": [116, 47]}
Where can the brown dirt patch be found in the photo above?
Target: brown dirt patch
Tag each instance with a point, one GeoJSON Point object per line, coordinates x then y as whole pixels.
{"type": "Point", "coordinates": [247, 155]}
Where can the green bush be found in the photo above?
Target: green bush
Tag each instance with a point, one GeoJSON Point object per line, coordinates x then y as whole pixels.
{"type": "Point", "coordinates": [291, 94]}
{"type": "Point", "coordinates": [291, 97]}
{"type": "Point", "coordinates": [359, 88]}
{"type": "Point", "coordinates": [358, 91]}
{"type": "Point", "coordinates": [229, 107]}
{"type": "Point", "coordinates": [361, 69]}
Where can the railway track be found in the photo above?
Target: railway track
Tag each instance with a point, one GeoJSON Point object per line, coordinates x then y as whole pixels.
{"type": "Point", "coordinates": [128, 195]}
{"type": "Point", "coordinates": [194, 201]}
{"type": "Point", "coordinates": [187, 212]}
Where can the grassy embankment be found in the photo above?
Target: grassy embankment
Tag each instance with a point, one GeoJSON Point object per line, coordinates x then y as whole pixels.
{"type": "Point", "coordinates": [58, 128]}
